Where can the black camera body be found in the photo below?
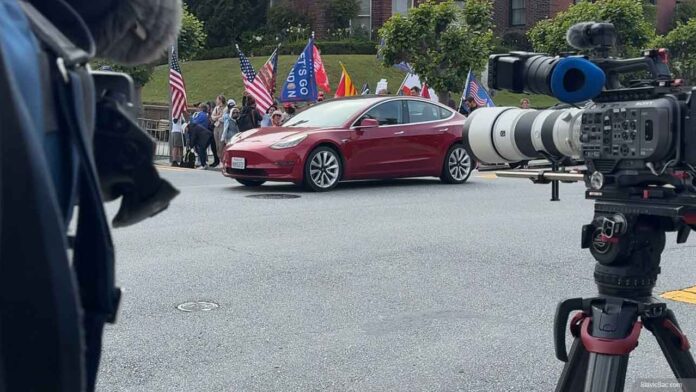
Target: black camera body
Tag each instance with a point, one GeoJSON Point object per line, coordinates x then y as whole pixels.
{"type": "Point", "coordinates": [626, 135]}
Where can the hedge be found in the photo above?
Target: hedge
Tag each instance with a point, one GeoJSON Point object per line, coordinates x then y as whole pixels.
{"type": "Point", "coordinates": [327, 47]}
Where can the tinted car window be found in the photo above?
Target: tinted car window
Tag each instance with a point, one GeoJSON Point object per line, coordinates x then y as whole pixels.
{"type": "Point", "coordinates": [445, 113]}
{"type": "Point", "coordinates": [388, 113]}
{"type": "Point", "coordinates": [423, 111]}
{"type": "Point", "coordinates": [330, 113]}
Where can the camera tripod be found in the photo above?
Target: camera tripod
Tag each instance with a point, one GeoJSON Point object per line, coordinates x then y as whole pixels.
{"type": "Point", "coordinates": [627, 248]}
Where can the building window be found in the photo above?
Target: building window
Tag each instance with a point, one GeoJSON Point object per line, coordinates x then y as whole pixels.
{"type": "Point", "coordinates": [362, 24]}
{"type": "Point", "coordinates": [401, 6]}
{"type": "Point", "coordinates": [517, 13]}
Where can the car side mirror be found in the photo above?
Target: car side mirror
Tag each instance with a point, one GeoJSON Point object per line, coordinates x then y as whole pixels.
{"type": "Point", "coordinates": [368, 123]}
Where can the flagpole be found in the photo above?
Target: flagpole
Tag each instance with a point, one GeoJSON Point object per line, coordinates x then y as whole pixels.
{"type": "Point", "coordinates": [171, 56]}
{"type": "Point", "coordinates": [403, 82]}
{"type": "Point", "coordinates": [461, 100]}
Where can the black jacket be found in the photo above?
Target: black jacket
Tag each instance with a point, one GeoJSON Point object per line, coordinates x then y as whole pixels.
{"type": "Point", "coordinates": [199, 136]}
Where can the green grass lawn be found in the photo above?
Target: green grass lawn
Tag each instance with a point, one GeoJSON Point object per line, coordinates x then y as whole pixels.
{"type": "Point", "coordinates": [206, 79]}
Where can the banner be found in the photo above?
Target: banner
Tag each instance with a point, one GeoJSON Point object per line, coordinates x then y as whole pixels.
{"type": "Point", "coordinates": [300, 85]}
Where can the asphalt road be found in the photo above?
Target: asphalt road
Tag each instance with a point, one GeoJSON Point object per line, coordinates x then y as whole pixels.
{"type": "Point", "coordinates": [406, 285]}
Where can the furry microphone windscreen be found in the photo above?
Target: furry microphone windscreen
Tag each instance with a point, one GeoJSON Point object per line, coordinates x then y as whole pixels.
{"type": "Point", "coordinates": [131, 31]}
{"type": "Point", "coordinates": [578, 36]}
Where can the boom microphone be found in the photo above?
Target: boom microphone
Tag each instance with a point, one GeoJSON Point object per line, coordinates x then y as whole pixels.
{"type": "Point", "coordinates": [590, 35]}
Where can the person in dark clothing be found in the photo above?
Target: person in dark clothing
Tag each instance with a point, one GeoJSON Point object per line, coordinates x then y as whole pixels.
{"type": "Point", "coordinates": [468, 106]}
{"type": "Point", "coordinates": [249, 117]}
{"type": "Point", "coordinates": [199, 136]}
{"type": "Point", "coordinates": [471, 104]}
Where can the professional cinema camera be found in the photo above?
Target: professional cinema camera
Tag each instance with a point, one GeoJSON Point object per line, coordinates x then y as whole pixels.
{"type": "Point", "coordinates": [634, 128]}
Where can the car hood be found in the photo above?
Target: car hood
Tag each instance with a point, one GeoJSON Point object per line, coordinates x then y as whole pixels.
{"type": "Point", "coordinates": [270, 135]}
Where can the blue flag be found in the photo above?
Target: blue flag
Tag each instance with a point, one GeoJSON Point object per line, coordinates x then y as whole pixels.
{"type": "Point", "coordinates": [301, 85]}
{"type": "Point", "coordinates": [476, 90]}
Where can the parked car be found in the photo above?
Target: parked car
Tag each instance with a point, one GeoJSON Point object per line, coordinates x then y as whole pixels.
{"type": "Point", "coordinates": [356, 138]}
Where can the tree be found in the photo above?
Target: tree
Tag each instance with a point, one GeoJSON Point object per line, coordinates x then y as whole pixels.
{"type": "Point", "coordinates": [225, 21]}
{"type": "Point", "coordinates": [686, 9]}
{"type": "Point", "coordinates": [192, 36]}
{"type": "Point", "coordinates": [191, 41]}
{"type": "Point", "coordinates": [440, 41]}
{"type": "Point", "coordinates": [282, 16]}
{"type": "Point", "coordinates": [634, 32]}
{"type": "Point", "coordinates": [340, 12]}
{"type": "Point", "coordinates": [681, 42]}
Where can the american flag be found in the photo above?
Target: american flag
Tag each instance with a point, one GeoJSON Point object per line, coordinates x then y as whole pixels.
{"type": "Point", "coordinates": [474, 89]}
{"type": "Point", "coordinates": [268, 72]}
{"type": "Point", "coordinates": [176, 85]}
{"type": "Point", "coordinates": [255, 86]}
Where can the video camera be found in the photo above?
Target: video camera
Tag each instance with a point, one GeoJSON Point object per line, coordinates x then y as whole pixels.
{"type": "Point", "coordinates": [638, 142]}
{"type": "Point", "coordinates": [634, 129]}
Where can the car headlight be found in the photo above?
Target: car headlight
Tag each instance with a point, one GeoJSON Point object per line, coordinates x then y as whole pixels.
{"type": "Point", "coordinates": [288, 142]}
{"type": "Point", "coordinates": [235, 138]}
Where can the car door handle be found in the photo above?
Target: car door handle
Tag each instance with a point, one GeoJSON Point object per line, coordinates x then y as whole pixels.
{"type": "Point", "coordinates": [444, 130]}
{"type": "Point", "coordinates": [399, 133]}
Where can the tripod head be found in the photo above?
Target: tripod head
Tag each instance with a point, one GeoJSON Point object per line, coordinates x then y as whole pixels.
{"type": "Point", "coordinates": [627, 249]}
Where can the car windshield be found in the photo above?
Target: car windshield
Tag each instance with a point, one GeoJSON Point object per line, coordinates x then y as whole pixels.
{"type": "Point", "coordinates": [329, 114]}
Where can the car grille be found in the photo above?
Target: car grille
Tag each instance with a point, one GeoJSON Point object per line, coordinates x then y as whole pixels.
{"type": "Point", "coordinates": [247, 172]}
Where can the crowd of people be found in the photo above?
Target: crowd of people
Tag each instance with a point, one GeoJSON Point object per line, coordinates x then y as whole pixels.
{"type": "Point", "coordinates": [214, 124]}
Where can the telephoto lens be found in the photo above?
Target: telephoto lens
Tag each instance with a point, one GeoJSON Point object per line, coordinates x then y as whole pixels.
{"type": "Point", "coordinates": [507, 134]}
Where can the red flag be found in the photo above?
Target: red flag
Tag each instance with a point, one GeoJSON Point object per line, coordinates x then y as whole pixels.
{"type": "Point", "coordinates": [345, 88]}
{"type": "Point", "coordinates": [425, 91]}
{"type": "Point", "coordinates": [406, 90]}
{"type": "Point", "coordinates": [319, 72]}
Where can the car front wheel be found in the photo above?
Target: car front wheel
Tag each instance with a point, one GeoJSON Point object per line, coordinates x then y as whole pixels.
{"type": "Point", "coordinates": [458, 165]}
{"type": "Point", "coordinates": [322, 170]}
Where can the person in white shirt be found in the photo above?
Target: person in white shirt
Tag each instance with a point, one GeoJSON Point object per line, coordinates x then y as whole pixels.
{"type": "Point", "coordinates": [176, 141]}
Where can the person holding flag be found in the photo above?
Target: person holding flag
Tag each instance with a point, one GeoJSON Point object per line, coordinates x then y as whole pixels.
{"type": "Point", "coordinates": [413, 86]}
{"type": "Point", "coordinates": [474, 96]}
{"type": "Point", "coordinates": [257, 87]}
{"type": "Point", "coordinates": [177, 90]}
{"type": "Point", "coordinates": [345, 88]}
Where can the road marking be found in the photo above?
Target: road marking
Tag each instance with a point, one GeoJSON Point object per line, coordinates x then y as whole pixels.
{"type": "Point", "coordinates": [487, 176]}
{"type": "Point", "coordinates": [172, 168]}
{"type": "Point", "coordinates": [687, 295]}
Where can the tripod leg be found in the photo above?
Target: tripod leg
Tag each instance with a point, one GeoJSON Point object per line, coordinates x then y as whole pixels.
{"type": "Point", "coordinates": [573, 376]}
{"type": "Point", "coordinates": [603, 351]}
{"type": "Point", "coordinates": [606, 373]}
{"type": "Point", "coordinates": [675, 347]}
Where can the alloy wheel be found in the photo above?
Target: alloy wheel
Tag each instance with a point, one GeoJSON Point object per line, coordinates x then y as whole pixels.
{"type": "Point", "coordinates": [459, 164]}
{"type": "Point", "coordinates": [324, 169]}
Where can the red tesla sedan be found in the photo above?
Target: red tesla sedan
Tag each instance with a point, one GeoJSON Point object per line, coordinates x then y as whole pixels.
{"type": "Point", "coordinates": [354, 139]}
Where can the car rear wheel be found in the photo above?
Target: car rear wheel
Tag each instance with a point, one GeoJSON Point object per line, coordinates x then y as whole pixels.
{"type": "Point", "coordinates": [323, 169]}
{"type": "Point", "coordinates": [250, 182]}
{"type": "Point", "coordinates": [458, 165]}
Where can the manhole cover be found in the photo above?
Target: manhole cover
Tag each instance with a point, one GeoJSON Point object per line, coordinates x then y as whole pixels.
{"type": "Point", "coordinates": [274, 196]}
{"type": "Point", "coordinates": [197, 306]}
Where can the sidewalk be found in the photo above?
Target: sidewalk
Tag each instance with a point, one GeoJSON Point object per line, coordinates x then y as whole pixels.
{"type": "Point", "coordinates": [166, 163]}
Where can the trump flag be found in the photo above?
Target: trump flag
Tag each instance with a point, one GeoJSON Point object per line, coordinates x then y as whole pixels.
{"type": "Point", "coordinates": [301, 85]}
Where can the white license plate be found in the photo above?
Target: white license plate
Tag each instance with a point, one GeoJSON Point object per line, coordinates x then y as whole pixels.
{"type": "Point", "coordinates": [238, 163]}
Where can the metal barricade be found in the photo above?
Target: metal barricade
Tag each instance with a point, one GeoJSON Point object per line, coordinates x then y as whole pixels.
{"type": "Point", "coordinates": [159, 131]}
